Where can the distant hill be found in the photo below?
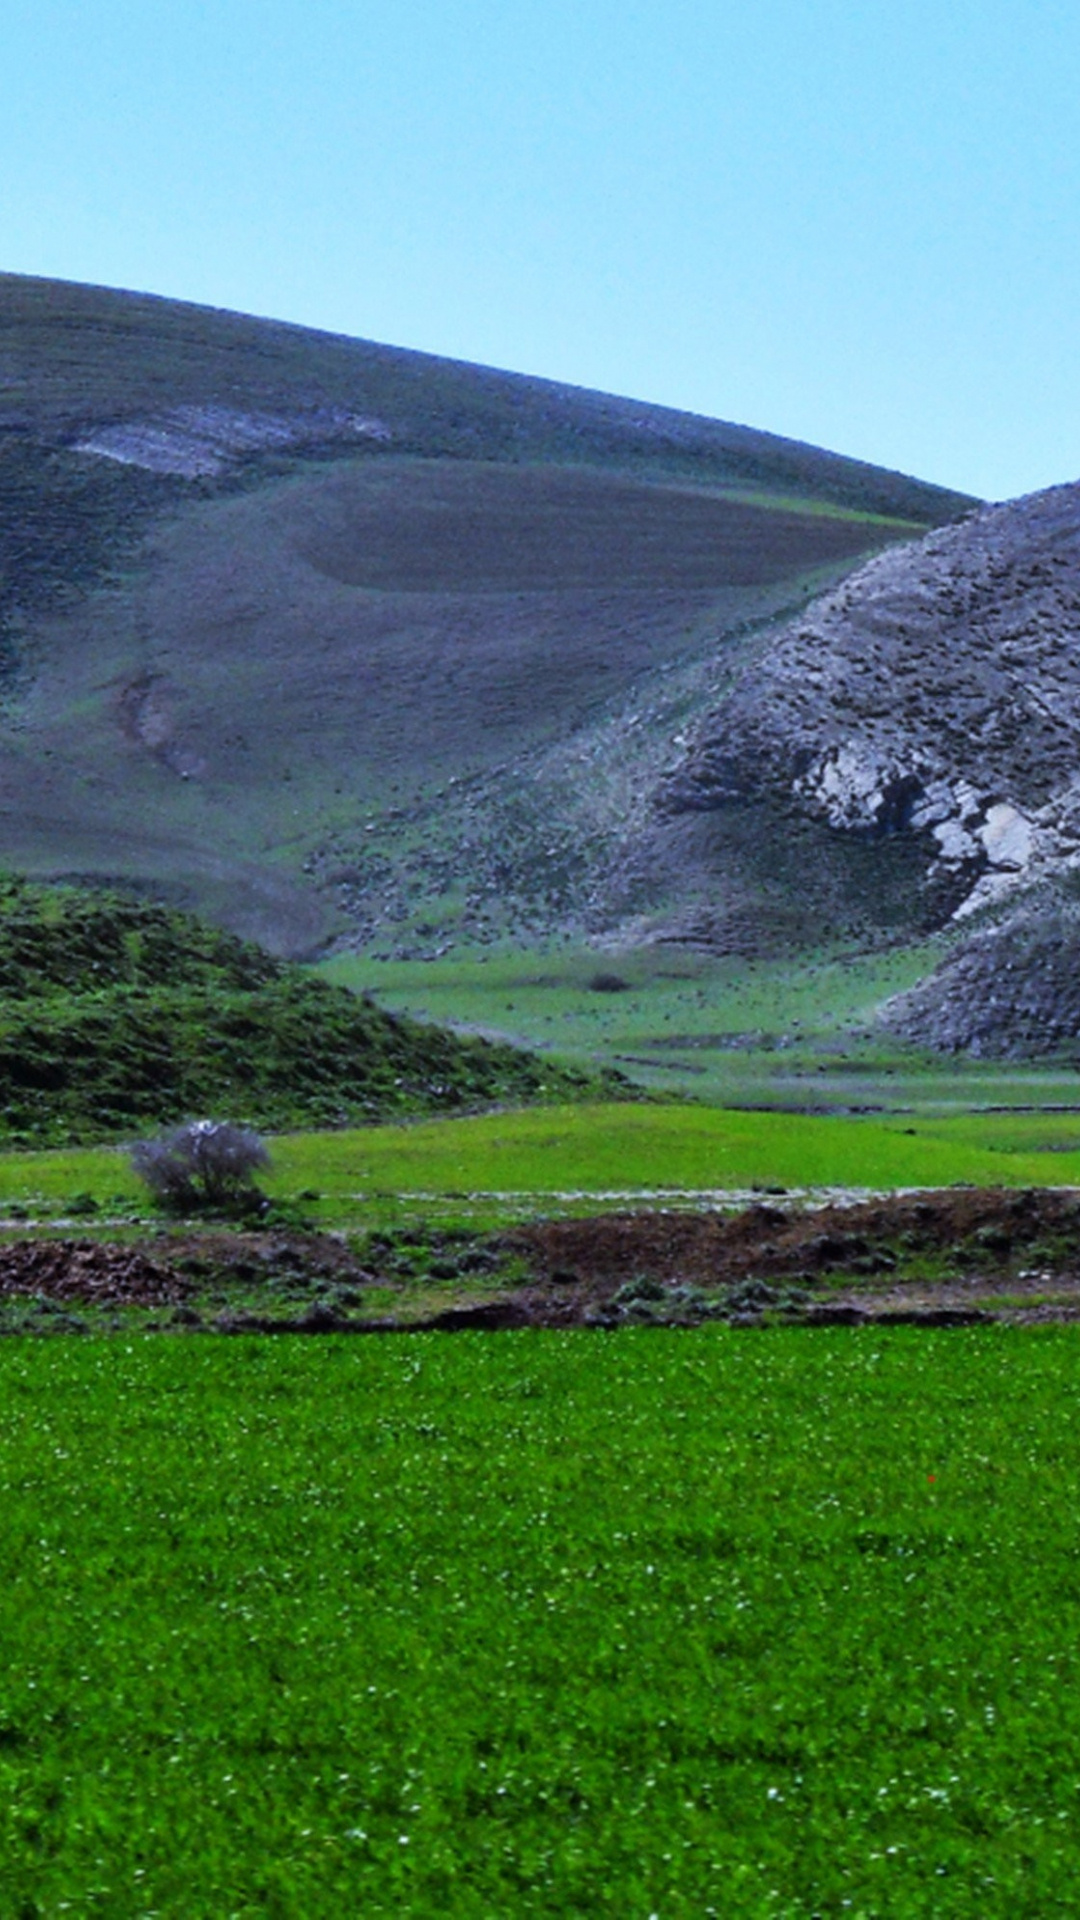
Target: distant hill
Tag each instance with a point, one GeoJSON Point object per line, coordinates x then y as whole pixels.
{"type": "Point", "coordinates": [120, 1016]}
{"type": "Point", "coordinates": [332, 640]}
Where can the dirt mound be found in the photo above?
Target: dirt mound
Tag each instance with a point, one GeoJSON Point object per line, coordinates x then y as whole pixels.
{"type": "Point", "coordinates": [778, 1242]}
{"type": "Point", "coordinates": [942, 1258]}
{"type": "Point", "coordinates": [936, 1258]}
{"type": "Point", "coordinates": [174, 1268]}
{"type": "Point", "coordinates": [88, 1270]}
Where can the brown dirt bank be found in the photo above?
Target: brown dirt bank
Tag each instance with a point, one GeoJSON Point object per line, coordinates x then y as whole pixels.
{"type": "Point", "coordinates": [938, 1258]}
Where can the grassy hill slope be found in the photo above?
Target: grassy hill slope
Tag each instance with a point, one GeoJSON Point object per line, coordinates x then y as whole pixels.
{"type": "Point", "coordinates": [79, 358]}
{"type": "Point", "coordinates": [326, 637]}
{"type": "Point", "coordinates": [120, 1015]}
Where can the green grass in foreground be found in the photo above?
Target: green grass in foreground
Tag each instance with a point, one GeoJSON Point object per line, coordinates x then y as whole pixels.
{"type": "Point", "coordinates": [541, 1625]}
{"type": "Point", "coordinates": [545, 1159]}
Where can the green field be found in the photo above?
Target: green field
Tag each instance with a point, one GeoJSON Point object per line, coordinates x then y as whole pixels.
{"type": "Point", "coordinates": [792, 1034]}
{"type": "Point", "coordinates": [542, 1625]}
{"type": "Point", "coordinates": [498, 1166]}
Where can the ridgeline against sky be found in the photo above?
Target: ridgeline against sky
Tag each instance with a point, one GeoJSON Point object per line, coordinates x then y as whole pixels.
{"type": "Point", "coordinates": [850, 225]}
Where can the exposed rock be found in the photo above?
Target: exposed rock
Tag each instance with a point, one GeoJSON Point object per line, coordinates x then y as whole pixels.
{"type": "Point", "coordinates": [194, 442]}
{"type": "Point", "coordinates": [1010, 990]}
{"type": "Point", "coordinates": [935, 693]}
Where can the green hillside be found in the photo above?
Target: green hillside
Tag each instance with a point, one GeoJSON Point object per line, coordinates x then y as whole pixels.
{"type": "Point", "coordinates": [120, 1015]}
{"type": "Point", "coordinates": [330, 639]}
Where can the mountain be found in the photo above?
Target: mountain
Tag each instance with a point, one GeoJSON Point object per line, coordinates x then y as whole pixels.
{"type": "Point", "coordinates": [334, 641]}
{"type": "Point", "coordinates": [904, 759]}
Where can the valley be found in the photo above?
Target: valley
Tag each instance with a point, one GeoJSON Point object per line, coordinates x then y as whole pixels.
{"type": "Point", "coordinates": [627, 866]}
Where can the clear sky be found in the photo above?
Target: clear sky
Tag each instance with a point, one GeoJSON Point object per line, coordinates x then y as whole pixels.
{"type": "Point", "coordinates": [856, 222]}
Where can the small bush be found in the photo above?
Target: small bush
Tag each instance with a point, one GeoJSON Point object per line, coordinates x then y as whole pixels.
{"type": "Point", "coordinates": [205, 1164]}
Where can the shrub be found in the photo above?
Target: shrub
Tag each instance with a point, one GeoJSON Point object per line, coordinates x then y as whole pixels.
{"type": "Point", "coordinates": [203, 1164]}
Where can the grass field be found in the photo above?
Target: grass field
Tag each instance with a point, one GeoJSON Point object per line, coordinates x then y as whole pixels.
{"type": "Point", "coordinates": [700, 1625]}
{"type": "Point", "coordinates": [499, 1166]}
{"type": "Point", "coordinates": [799, 1034]}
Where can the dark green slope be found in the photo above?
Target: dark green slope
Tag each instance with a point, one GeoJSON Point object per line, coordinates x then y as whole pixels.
{"type": "Point", "coordinates": [119, 1016]}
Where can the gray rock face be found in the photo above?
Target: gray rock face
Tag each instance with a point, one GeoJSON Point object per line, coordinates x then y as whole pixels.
{"type": "Point", "coordinates": [1009, 991]}
{"type": "Point", "coordinates": [935, 693]}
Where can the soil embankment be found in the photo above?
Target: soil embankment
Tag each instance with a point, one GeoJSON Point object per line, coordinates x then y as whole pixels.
{"type": "Point", "coordinates": [952, 1257]}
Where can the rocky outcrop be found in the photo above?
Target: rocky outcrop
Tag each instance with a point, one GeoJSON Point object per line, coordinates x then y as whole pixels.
{"type": "Point", "coordinates": [935, 693]}
{"type": "Point", "coordinates": [194, 442]}
{"type": "Point", "coordinates": [1009, 991]}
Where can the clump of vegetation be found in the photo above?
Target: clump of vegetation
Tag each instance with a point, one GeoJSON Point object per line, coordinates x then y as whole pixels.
{"type": "Point", "coordinates": [122, 1014]}
{"type": "Point", "coordinates": [609, 983]}
{"type": "Point", "coordinates": [207, 1165]}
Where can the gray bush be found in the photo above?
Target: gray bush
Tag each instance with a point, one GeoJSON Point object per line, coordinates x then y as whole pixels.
{"type": "Point", "coordinates": [203, 1164]}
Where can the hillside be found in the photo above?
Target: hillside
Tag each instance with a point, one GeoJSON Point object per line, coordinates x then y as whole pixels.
{"type": "Point", "coordinates": [120, 1015]}
{"type": "Point", "coordinates": [901, 760]}
{"type": "Point", "coordinates": [328, 639]}
{"type": "Point", "coordinates": [920, 725]}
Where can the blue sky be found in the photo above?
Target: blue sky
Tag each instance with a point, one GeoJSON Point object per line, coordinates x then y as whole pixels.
{"type": "Point", "coordinates": [852, 222]}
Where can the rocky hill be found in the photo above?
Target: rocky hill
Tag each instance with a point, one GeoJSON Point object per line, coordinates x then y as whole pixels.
{"type": "Point", "coordinates": [1007, 991]}
{"type": "Point", "coordinates": [919, 725]}
{"type": "Point", "coordinates": [332, 640]}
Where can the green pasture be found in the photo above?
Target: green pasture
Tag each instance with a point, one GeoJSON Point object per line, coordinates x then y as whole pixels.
{"type": "Point", "coordinates": [541, 1625]}
{"type": "Point", "coordinates": [615, 1149]}
{"type": "Point", "coordinates": [793, 1034]}
{"type": "Point", "coordinates": [556, 1158]}
{"type": "Point", "coordinates": [545, 994]}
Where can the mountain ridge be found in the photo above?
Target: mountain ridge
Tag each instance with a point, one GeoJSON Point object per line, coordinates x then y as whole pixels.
{"type": "Point", "coordinates": [897, 493]}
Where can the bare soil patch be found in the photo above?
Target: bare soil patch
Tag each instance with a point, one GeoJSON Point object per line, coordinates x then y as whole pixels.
{"type": "Point", "coordinates": [936, 1258]}
{"type": "Point", "coordinates": [940, 1256]}
{"type": "Point", "coordinates": [88, 1271]}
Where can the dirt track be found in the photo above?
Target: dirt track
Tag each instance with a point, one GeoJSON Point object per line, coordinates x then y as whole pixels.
{"type": "Point", "coordinates": [944, 1257]}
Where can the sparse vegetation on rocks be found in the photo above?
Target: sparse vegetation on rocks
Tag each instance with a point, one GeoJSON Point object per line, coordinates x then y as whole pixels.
{"type": "Point", "coordinates": [1010, 991]}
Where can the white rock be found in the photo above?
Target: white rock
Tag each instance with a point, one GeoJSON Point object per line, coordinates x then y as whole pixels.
{"type": "Point", "coordinates": [987, 892]}
{"type": "Point", "coordinates": [955, 844]}
{"type": "Point", "coordinates": [1007, 836]}
{"type": "Point", "coordinates": [938, 802]}
{"type": "Point", "coordinates": [848, 782]}
{"type": "Point", "coordinates": [969, 804]}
